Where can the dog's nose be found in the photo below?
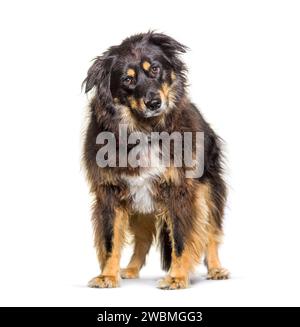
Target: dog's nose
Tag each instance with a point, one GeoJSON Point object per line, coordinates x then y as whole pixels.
{"type": "Point", "coordinates": [153, 104]}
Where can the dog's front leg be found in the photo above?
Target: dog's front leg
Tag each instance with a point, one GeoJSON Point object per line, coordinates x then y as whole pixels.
{"type": "Point", "coordinates": [110, 223]}
{"type": "Point", "coordinates": [178, 276]}
{"type": "Point", "coordinates": [181, 263]}
{"type": "Point", "coordinates": [179, 221]}
{"type": "Point", "coordinates": [185, 235]}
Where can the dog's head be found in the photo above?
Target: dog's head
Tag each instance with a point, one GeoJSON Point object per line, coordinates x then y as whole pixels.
{"type": "Point", "coordinates": [143, 74]}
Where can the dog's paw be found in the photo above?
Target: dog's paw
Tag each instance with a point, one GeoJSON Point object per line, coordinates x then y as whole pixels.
{"type": "Point", "coordinates": [173, 283]}
{"type": "Point", "coordinates": [218, 273]}
{"type": "Point", "coordinates": [104, 282]}
{"type": "Point", "coordinates": [129, 273]}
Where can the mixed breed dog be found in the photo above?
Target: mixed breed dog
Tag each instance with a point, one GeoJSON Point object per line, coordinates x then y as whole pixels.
{"type": "Point", "coordinates": [141, 84]}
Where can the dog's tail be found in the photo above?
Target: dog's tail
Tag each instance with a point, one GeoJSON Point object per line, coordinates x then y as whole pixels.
{"type": "Point", "coordinates": [165, 246]}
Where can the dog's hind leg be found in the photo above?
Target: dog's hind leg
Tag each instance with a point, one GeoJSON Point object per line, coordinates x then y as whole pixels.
{"type": "Point", "coordinates": [143, 229]}
{"type": "Point", "coordinates": [215, 198]}
{"type": "Point", "coordinates": [215, 270]}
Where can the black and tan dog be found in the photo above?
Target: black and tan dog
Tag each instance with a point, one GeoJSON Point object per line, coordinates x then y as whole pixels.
{"type": "Point", "coordinates": [141, 83]}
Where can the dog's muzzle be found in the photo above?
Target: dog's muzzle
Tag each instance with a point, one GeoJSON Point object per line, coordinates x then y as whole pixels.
{"type": "Point", "coordinates": [153, 104]}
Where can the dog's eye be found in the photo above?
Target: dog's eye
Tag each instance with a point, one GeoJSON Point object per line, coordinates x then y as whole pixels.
{"type": "Point", "coordinates": [155, 70]}
{"type": "Point", "coordinates": [128, 80]}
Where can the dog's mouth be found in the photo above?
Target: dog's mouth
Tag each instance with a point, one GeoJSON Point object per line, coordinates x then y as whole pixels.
{"type": "Point", "coordinates": [143, 109]}
{"type": "Point", "coordinates": [148, 113]}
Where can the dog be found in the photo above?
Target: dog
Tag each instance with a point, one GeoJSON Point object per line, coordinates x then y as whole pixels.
{"type": "Point", "coordinates": [141, 84]}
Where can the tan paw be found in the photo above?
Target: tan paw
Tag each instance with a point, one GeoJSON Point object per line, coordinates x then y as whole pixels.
{"type": "Point", "coordinates": [173, 283]}
{"type": "Point", "coordinates": [129, 273]}
{"type": "Point", "coordinates": [104, 282]}
{"type": "Point", "coordinates": [218, 273]}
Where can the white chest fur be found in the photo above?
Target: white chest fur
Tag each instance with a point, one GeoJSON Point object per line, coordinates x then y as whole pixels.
{"type": "Point", "coordinates": [141, 186]}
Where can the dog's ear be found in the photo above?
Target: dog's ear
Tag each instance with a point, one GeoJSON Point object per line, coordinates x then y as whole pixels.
{"type": "Point", "coordinates": [171, 49]}
{"type": "Point", "coordinates": [99, 76]}
{"type": "Point", "coordinates": [170, 46]}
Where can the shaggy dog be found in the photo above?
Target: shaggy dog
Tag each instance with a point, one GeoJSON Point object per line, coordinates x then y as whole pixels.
{"type": "Point", "coordinates": [141, 84]}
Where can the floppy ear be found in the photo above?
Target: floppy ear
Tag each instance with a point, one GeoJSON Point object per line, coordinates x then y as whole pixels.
{"type": "Point", "coordinates": [170, 47]}
{"type": "Point", "coordinates": [168, 44]}
{"type": "Point", "coordinates": [99, 76]}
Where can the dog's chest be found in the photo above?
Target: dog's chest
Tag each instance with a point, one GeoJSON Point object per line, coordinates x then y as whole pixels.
{"type": "Point", "coordinates": [141, 186]}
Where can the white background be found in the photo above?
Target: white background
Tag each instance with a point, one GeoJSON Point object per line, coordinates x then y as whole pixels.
{"type": "Point", "coordinates": [244, 75]}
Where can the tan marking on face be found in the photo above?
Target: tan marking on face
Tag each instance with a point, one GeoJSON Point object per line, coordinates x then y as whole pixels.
{"type": "Point", "coordinates": [161, 93]}
{"type": "Point", "coordinates": [164, 91]}
{"type": "Point", "coordinates": [173, 76]}
{"type": "Point", "coordinates": [116, 100]}
{"type": "Point", "coordinates": [142, 104]}
{"type": "Point", "coordinates": [146, 65]}
{"type": "Point", "coordinates": [131, 72]}
{"type": "Point", "coordinates": [172, 97]}
{"type": "Point", "coordinates": [133, 103]}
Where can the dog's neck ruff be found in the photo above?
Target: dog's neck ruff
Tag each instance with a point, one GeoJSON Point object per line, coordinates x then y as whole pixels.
{"type": "Point", "coordinates": [141, 185]}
